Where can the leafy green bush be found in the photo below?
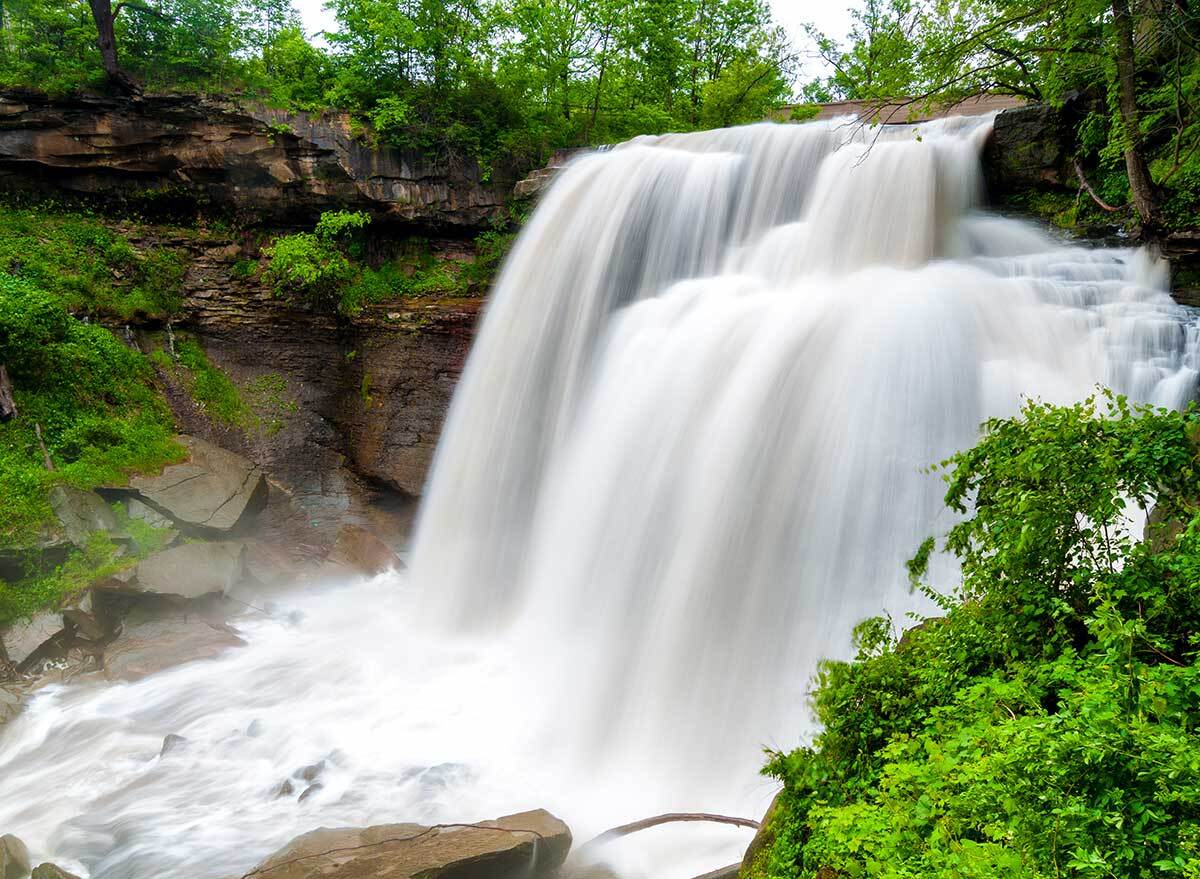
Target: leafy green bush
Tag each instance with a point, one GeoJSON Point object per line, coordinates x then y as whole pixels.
{"type": "Point", "coordinates": [315, 265]}
{"type": "Point", "coordinates": [1045, 725]}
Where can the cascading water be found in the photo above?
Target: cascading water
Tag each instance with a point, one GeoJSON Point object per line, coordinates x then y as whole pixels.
{"type": "Point", "coordinates": [686, 457]}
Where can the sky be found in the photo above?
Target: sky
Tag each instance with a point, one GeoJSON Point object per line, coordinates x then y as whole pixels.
{"type": "Point", "coordinates": [830, 16]}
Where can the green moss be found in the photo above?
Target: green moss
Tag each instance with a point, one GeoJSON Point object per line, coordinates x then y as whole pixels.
{"type": "Point", "coordinates": [92, 268]}
{"type": "Point", "coordinates": [211, 389]}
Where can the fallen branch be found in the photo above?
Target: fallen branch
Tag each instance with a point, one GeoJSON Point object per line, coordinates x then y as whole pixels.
{"type": "Point", "coordinates": [37, 428]}
{"type": "Point", "coordinates": [670, 817]}
{"type": "Point", "coordinates": [1083, 181]}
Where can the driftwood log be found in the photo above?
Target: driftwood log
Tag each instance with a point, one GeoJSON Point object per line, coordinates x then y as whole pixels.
{"type": "Point", "coordinates": [8, 406]}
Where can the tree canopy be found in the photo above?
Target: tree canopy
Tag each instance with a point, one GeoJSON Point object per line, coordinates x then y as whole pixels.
{"type": "Point", "coordinates": [493, 77]}
{"type": "Point", "coordinates": [1132, 68]}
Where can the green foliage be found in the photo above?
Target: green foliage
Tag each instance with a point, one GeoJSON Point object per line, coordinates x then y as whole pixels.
{"type": "Point", "coordinates": [91, 397]}
{"type": "Point", "coordinates": [1045, 725]}
{"type": "Point", "coordinates": [503, 82]}
{"type": "Point", "coordinates": [87, 265]}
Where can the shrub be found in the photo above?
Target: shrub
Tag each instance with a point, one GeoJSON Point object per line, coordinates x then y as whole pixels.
{"type": "Point", "coordinates": [91, 397]}
{"type": "Point", "coordinates": [1044, 726]}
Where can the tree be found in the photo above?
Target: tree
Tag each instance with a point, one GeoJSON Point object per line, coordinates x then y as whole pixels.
{"type": "Point", "coordinates": [1110, 52]}
{"type": "Point", "coordinates": [105, 16]}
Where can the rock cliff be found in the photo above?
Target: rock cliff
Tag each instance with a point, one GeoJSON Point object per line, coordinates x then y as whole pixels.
{"type": "Point", "coordinates": [190, 153]}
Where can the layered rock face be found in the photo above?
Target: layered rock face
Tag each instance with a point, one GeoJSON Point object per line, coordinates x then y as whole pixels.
{"type": "Point", "coordinates": [186, 151]}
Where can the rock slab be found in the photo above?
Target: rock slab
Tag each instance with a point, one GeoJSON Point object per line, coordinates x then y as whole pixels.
{"type": "Point", "coordinates": [193, 569]}
{"type": "Point", "coordinates": [529, 845]}
{"type": "Point", "coordinates": [213, 489]}
{"type": "Point", "coordinates": [23, 639]}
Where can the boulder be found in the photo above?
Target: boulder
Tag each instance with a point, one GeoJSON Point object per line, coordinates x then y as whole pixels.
{"type": "Point", "coordinates": [530, 845]}
{"type": "Point", "coordinates": [24, 638]}
{"type": "Point", "coordinates": [357, 549]}
{"type": "Point", "coordinates": [81, 513]}
{"type": "Point", "coordinates": [213, 489]}
{"type": "Point", "coordinates": [1029, 149]}
{"type": "Point", "coordinates": [193, 569]}
{"type": "Point", "coordinates": [14, 858]}
{"type": "Point", "coordinates": [51, 871]}
{"type": "Point", "coordinates": [152, 645]}
{"type": "Point", "coordinates": [85, 617]}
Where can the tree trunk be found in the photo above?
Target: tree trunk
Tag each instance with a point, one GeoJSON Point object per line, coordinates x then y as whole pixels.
{"type": "Point", "coordinates": [106, 42]}
{"type": "Point", "coordinates": [1142, 190]}
{"type": "Point", "coordinates": [8, 407]}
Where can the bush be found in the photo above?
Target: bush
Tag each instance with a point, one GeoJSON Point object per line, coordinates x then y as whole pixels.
{"type": "Point", "coordinates": [315, 265]}
{"type": "Point", "coordinates": [1044, 726]}
{"type": "Point", "coordinates": [91, 397]}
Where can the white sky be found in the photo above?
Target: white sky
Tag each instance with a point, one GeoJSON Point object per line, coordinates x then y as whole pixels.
{"type": "Point", "coordinates": [830, 16]}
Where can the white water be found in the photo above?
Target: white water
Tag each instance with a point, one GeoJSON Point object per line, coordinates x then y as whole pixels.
{"type": "Point", "coordinates": [686, 457]}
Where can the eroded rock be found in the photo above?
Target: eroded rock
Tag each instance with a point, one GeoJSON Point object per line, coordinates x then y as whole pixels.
{"type": "Point", "coordinates": [214, 489]}
{"type": "Point", "coordinates": [51, 871]}
{"type": "Point", "coordinates": [529, 845]}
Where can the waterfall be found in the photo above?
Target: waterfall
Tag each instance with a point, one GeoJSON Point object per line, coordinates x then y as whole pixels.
{"type": "Point", "coordinates": [687, 455]}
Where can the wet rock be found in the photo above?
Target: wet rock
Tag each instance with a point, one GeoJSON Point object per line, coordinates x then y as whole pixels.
{"type": "Point", "coordinates": [172, 742]}
{"type": "Point", "coordinates": [81, 513]}
{"type": "Point", "coordinates": [357, 549]}
{"type": "Point", "coordinates": [63, 667]}
{"type": "Point", "coordinates": [284, 789]}
{"type": "Point", "coordinates": [10, 703]}
{"type": "Point", "coordinates": [311, 790]}
{"type": "Point", "coordinates": [24, 639]}
{"type": "Point", "coordinates": [51, 871]}
{"type": "Point", "coordinates": [214, 489]}
{"type": "Point", "coordinates": [530, 845]}
{"type": "Point", "coordinates": [146, 647]}
{"type": "Point", "coordinates": [270, 564]}
{"type": "Point", "coordinates": [14, 858]}
{"type": "Point", "coordinates": [763, 840]}
{"type": "Point", "coordinates": [310, 773]}
{"type": "Point", "coordinates": [193, 569]}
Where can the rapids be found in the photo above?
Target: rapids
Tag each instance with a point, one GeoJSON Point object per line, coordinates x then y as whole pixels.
{"type": "Point", "coordinates": [686, 457]}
